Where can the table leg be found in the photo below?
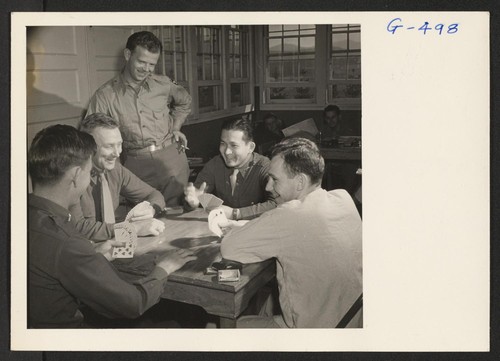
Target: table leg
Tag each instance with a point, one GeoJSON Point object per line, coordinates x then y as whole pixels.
{"type": "Point", "coordinates": [225, 322]}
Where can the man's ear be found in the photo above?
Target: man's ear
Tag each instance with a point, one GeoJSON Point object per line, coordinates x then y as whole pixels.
{"type": "Point", "coordinates": [127, 54]}
{"type": "Point", "coordinates": [252, 146]}
{"type": "Point", "coordinates": [74, 174]}
{"type": "Point", "coordinates": [301, 181]}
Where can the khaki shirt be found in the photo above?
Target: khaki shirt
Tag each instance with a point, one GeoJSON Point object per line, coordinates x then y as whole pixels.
{"type": "Point", "coordinates": [146, 116]}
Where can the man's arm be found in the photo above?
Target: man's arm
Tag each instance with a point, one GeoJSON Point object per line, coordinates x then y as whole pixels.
{"type": "Point", "coordinates": [180, 106]}
{"type": "Point", "coordinates": [84, 219]}
{"type": "Point", "coordinates": [88, 276]}
{"type": "Point", "coordinates": [256, 241]}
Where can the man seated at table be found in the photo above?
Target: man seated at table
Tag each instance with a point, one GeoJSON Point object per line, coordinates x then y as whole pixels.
{"type": "Point", "coordinates": [334, 126]}
{"type": "Point", "coordinates": [315, 237]}
{"type": "Point", "coordinates": [237, 175]}
{"type": "Point", "coordinates": [65, 271]}
{"type": "Point", "coordinates": [94, 216]}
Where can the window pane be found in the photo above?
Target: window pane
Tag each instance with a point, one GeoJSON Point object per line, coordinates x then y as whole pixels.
{"type": "Point", "coordinates": [307, 44]}
{"type": "Point", "coordinates": [292, 93]}
{"type": "Point", "coordinates": [306, 70]}
{"type": "Point", "coordinates": [199, 65]}
{"type": "Point", "coordinates": [274, 46]}
{"type": "Point", "coordinates": [273, 29]}
{"type": "Point", "coordinates": [339, 41]}
{"type": "Point", "coordinates": [354, 41]}
{"type": "Point", "coordinates": [180, 70]}
{"type": "Point", "coordinates": [291, 45]}
{"type": "Point", "coordinates": [289, 71]}
{"type": "Point", "coordinates": [244, 66]}
{"type": "Point", "coordinates": [339, 67]}
{"type": "Point", "coordinates": [237, 67]}
{"type": "Point", "coordinates": [207, 67]}
{"type": "Point", "coordinates": [354, 67]}
{"type": "Point", "coordinates": [237, 43]}
{"type": "Point", "coordinates": [274, 71]}
{"type": "Point", "coordinates": [239, 94]}
{"type": "Point", "coordinates": [346, 91]}
{"type": "Point", "coordinates": [209, 98]}
{"type": "Point", "coordinates": [216, 67]}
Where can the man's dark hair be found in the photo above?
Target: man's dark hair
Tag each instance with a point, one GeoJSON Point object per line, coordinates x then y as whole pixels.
{"type": "Point", "coordinates": [301, 155]}
{"type": "Point", "coordinates": [146, 39]}
{"type": "Point", "coordinates": [332, 108]}
{"type": "Point", "coordinates": [240, 124]}
{"type": "Point", "coordinates": [97, 120]}
{"type": "Point", "coordinates": [55, 149]}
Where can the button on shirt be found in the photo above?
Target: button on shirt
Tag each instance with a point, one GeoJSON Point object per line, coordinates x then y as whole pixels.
{"type": "Point", "coordinates": [146, 115]}
{"type": "Point", "coordinates": [65, 271]}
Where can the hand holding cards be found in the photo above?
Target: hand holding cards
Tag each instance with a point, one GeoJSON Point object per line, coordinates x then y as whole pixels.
{"type": "Point", "coordinates": [126, 234]}
{"type": "Point", "coordinates": [141, 211]}
{"type": "Point", "coordinates": [191, 194]}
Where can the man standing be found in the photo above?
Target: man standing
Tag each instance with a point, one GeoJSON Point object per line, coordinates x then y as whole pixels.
{"type": "Point", "coordinates": [151, 110]}
{"type": "Point", "coordinates": [315, 237]}
{"type": "Point", "coordinates": [65, 271]}
{"type": "Point", "coordinates": [238, 175]}
{"type": "Point", "coordinates": [94, 214]}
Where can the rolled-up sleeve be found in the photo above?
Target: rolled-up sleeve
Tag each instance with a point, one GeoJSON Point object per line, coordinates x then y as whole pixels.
{"type": "Point", "coordinates": [180, 105]}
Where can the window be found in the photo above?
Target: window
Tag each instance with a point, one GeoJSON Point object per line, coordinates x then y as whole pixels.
{"type": "Point", "coordinates": [290, 63]}
{"type": "Point", "coordinates": [309, 66]}
{"type": "Point", "coordinates": [345, 63]}
{"type": "Point", "coordinates": [238, 60]}
{"type": "Point", "coordinates": [209, 68]}
{"type": "Point", "coordinates": [174, 57]}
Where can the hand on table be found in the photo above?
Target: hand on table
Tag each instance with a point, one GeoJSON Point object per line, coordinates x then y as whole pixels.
{"type": "Point", "coordinates": [106, 248]}
{"type": "Point", "coordinates": [142, 211]}
{"type": "Point", "coordinates": [148, 227]}
{"type": "Point", "coordinates": [175, 259]}
{"type": "Point", "coordinates": [192, 193]}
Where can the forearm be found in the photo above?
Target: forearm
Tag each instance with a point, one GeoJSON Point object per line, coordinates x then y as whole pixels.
{"type": "Point", "coordinates": [256, 209]}
{"type": "Point", "coordinates": [94, 230]}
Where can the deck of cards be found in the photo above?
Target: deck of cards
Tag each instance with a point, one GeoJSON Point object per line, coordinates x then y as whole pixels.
{"type": "Point", "coordinates": [209, 201]}
{"type": "Point", "coordinates": [125, 233]}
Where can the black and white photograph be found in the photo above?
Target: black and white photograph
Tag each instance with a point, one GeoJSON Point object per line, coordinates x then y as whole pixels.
{"type": "Point", "coordinates": [205, 178]}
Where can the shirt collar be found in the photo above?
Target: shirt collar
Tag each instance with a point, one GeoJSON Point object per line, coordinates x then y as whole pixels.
{"type": "Point", "coordinates": [120, 83]}
{"type": "Point", "coordinates": [247, 165]}
{"type": "Point", "coordinates": [49, 206]}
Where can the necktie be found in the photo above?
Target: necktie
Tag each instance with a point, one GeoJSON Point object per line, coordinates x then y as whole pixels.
{"type": "Point", "coordinates": [232, 179]}
{"type": "Point", "coordinates": [108, 212]}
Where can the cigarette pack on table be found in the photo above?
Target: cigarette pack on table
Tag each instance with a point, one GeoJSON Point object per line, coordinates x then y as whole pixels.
{"type": "Point", "coordinates": [228, 275]}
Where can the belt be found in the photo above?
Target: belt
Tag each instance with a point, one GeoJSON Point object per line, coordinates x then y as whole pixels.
{"type": "Point", "coordinates": [151, 148]}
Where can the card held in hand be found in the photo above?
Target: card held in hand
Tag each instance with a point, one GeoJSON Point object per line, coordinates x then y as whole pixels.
{"type": "Point", "coordinates": [215, 219]}
{"type": "Point", "coordinates": [209, 201]}
{"type": "Point", "coordinates": [125, 233]}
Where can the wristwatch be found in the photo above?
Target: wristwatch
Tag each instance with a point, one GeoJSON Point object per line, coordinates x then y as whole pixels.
{"type": "Point", "coordinates": [235, 214]}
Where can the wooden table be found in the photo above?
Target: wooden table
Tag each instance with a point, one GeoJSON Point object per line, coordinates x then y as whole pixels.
{"type": "Point", "coordinates": [189, 284]}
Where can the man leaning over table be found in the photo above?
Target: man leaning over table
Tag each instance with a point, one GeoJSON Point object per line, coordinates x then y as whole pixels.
{"type": "Point", "coordinates": [65, 273]}
{"type": "Point", "coordinates": [151, 110]}
{"type": "Point", "coordinates": [315, 237]}
{"type": "Point", "coordinates": [237, 175]}
{"type": "Point", "coordinates": [94, 215]}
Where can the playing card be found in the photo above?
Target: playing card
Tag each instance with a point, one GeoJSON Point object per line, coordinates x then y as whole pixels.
{"type": "Point", "coordinates": [124, 232]}
{"type": "Point", "coordinates": [215, 218]}
{"type": "Point", "coordinates": [209, 201]}
{"type": "Point", "coordinates": [143, 206]}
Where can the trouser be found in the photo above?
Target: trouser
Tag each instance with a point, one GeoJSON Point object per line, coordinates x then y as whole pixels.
{"type": "Point", "coordinates": [166, 169]}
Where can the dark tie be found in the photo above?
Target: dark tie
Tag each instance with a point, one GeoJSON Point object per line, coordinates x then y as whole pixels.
{"type": "Point", "coordinates": [232, 179]}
